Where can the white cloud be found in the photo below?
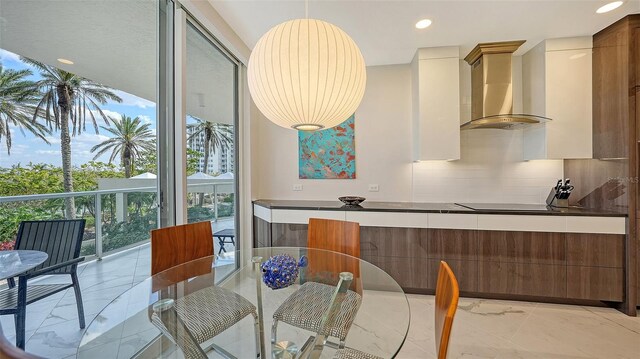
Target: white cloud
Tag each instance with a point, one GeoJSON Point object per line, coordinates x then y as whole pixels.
{"type": "Point", "coordinates": [146, 119]}
{"type": "Point", "coordinates": [113, 115]}
{"type": "Point", "coordinates": [48, 152]}
{"type": "Point", "coordinates": [132, 100]}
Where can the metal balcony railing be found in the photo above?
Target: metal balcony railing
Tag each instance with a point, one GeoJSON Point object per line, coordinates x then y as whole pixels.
{"type": "Point", "coordinates": [97, 197]}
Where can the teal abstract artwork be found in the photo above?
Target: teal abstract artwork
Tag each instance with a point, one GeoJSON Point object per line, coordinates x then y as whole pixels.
{"type": "Point", "coordinates": [328, 154]}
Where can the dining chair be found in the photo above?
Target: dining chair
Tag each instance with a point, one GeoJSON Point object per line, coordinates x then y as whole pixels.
{"type": "Point", "coordinates": [314, 346]}
{"type": "Point", "coordinates": [203, 310]}
{"type": "Point", "coordinates": [447, 295]}
{"type": "Point", "coordinates": [61, 240]}
{"type": "Point", "coordinates": [9, 351]}
{"type": "Point", "coordinates": [307, 305]}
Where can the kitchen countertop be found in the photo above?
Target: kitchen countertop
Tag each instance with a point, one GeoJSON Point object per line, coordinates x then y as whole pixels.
{"type": "Point", "coordinates": [427, 207]}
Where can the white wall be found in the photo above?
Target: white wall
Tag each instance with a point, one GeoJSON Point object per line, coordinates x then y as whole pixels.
{"type": "Point", "coordinates": [490, 170]}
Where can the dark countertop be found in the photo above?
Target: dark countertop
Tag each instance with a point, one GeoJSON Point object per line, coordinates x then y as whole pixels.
{"type": "Point", "coordinates": [420, 207]}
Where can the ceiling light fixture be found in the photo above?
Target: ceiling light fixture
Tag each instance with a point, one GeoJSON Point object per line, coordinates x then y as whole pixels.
{"type": "Point", "coordinates": [65, 61]}
{"type": "Point", "coordinates": [610, 6]}
{"type": "Point", "coordinates": [307, 75]}
{"type": "Point", "coordinates": [423, 24]}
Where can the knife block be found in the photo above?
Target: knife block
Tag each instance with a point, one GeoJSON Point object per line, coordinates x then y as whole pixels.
{"type": "Point", "coordinates": [553, 201]}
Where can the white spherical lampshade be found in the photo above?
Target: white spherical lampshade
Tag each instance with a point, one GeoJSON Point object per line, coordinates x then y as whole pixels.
{"type": "Point", "coordinates": [306, 74]}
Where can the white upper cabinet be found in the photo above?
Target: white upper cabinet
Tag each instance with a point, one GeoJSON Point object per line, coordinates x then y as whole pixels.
{"type": "Point", "coordinates": [435, 86]}
{"type": "Point", "coordinates": [556, 77]}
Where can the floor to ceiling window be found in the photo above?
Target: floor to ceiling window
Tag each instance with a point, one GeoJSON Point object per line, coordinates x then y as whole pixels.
{"type": "Point", "coordinates": [90, 153]}
{"type": "Point", "coordinates": [108, 153]}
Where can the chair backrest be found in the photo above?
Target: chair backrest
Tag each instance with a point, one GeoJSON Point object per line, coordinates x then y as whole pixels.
{"type": "Point", "coordinates": [9, 351]}
{"type": "Point", "coordinates": [334, 235]}
{"type": "Point", "coordinates": [60, 239]}
{"type": "Point", "coordinates": [447, 294]}
{"type": "Point", "coordinates": [337, 236]}
{"type": "Point", "coordinates": [172, 246]}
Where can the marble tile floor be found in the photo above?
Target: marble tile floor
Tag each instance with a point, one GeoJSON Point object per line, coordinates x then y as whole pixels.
{"type": "Point", "coordinates": [483, 328]}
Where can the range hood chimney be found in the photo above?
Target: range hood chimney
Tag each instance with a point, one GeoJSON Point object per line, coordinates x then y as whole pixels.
{"type": "Point", "coordinates": [491, 88]}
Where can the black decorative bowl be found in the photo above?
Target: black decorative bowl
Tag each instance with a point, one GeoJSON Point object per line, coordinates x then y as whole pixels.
{"type": "Point", "coordinates": [351, 200]}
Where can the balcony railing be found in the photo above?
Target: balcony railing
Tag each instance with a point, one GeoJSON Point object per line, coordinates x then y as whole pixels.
{"type": "Point", "coordinates": [130, 212]}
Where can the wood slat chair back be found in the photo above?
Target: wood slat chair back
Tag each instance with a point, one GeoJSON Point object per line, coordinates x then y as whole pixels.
{"type": "Point", "coordinates": [337, 236]}
{"type": "Point", "coordinates": [60, 239]}
{"type": "Point", "coordinates": [447, 294]}
{"type": "Point", "coordinates": [176, 245]}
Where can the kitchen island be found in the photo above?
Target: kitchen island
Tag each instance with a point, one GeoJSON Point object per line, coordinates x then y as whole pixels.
{"type": "Point", "coordinates": [526, 252]}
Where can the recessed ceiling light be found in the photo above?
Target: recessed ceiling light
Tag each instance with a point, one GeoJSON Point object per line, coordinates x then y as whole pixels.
{"type": "Point", "coordinates": [610, 6]}
{"type": "Point", "coordinates": [423, 24]}
{"type": "Point", "coordinates": [65, 61]}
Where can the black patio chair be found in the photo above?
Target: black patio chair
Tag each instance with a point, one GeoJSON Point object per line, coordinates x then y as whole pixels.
{"type": "Point", "coordinates": [61, 240]}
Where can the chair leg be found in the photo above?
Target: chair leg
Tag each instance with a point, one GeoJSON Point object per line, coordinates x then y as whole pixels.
{"type": "Point", "coordinates": [256, 325]}
{"type": "Point", "coordinates": [76, 289]}
{"type": "Point", "coordinates": [274, 331]}
{"type": "Point", "coordinates": [21, 314]}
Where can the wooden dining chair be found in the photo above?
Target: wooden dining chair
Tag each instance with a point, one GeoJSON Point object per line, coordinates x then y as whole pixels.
{"type": "Point", "coordinates": [447, 295]}
{"type": "Point", "coordinates": [203, 310]}
{"type": "Point", "coordinates": [171, 246]}
{"type": "Point", "coordinates": [306, 306]}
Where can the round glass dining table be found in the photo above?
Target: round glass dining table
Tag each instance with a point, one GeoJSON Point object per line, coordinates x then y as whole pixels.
{"type": "Point", "coordinates": [128, 326]}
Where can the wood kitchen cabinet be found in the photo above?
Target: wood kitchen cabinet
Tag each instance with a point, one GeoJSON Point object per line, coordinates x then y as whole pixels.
{"type": "Point", "coordinates": [612, 180]}
{"type": "Point", "coordinates": [522, 247]}
{"type": "Point", "coordinates": [488, 263]}
{"type": "Point", "coordinates": [616, 64]}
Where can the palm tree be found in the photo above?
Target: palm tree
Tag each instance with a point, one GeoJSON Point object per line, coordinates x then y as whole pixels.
{"type": "Point", "coordinates": [215, 135]}
{"type": "Point", "coordinates": [68, 99]}
{"type": "Point", "coordinates": [18, 98]}
{"type": "Point", "coordinates": [131, 141]}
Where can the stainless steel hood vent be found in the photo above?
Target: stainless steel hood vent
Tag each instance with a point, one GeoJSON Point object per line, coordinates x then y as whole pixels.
{"type": "Point", "coordinates": [492, 88]}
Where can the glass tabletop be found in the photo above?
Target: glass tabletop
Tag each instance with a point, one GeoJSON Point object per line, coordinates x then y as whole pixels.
{"type": "Point", "coordinates": [132, 325]}
{"type": "Point", "coordinates": [15, 262]}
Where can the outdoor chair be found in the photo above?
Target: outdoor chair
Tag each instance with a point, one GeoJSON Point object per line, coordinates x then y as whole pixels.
{"type": "Point", "coordinates": [61, 240]}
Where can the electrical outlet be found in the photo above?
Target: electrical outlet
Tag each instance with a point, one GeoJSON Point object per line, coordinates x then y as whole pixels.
{"type": "Point", "coordinates": [297, 187]}
{"type": "Point", "coordinates": [373, 188]}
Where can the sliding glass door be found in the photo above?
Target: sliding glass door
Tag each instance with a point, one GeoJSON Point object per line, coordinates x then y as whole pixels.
{"type": "Point", "coordinates": [211, 117]}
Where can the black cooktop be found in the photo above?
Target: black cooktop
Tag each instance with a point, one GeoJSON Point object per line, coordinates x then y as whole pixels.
{"type": "Point", "coordinates": [504, 206]}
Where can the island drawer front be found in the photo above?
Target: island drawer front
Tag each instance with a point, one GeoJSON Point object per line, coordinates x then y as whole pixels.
{"type": "Point", "coordinates": [393, 242]}
{"type": "Point", "coordinates": [288, 235]}
{"type": "Point", "coordinates": [596, 250]}
{"type": "Point", "coordinates": [450, 244]}
{"type": "Point", "coordinates": [595, 283]}
{"type": "Point", "coordinates": [530, 279]}
{"type": "Point", "coordinates": [466, 273]}
{"type": "Point", "coordinates": [522, 247]}
{"type": "Point", "coordinates": [408, 272]}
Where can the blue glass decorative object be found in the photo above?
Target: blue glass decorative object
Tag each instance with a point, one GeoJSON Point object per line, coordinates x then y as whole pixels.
{"type": "Point", "coordinates": [281, 270]}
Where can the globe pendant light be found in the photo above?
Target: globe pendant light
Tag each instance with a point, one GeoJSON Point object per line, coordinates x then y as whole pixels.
{"type": "Point", "coordinates": [306, 74]}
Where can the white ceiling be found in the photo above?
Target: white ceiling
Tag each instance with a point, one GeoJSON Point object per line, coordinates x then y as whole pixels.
{"type": "Point", "coordinates": [385, 32]}
{"type": "Point", "coordinates": [115, 42]}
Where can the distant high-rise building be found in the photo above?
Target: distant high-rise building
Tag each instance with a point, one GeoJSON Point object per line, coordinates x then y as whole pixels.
{"type": "Point", "coordinates": [226, 159]}
{"type": "Point", "coordinates": [221, 161]}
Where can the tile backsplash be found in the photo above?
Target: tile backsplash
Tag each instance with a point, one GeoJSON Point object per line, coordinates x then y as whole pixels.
{"type": "Point", "coordinates": [491, 169]}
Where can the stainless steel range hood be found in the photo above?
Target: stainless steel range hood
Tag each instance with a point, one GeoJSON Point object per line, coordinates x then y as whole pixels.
{"type": "Point", "coordinates": [491, 88]}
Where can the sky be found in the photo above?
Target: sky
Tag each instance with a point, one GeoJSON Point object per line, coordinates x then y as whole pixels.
{"type": "Point", "coordinates": [28, 148]}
